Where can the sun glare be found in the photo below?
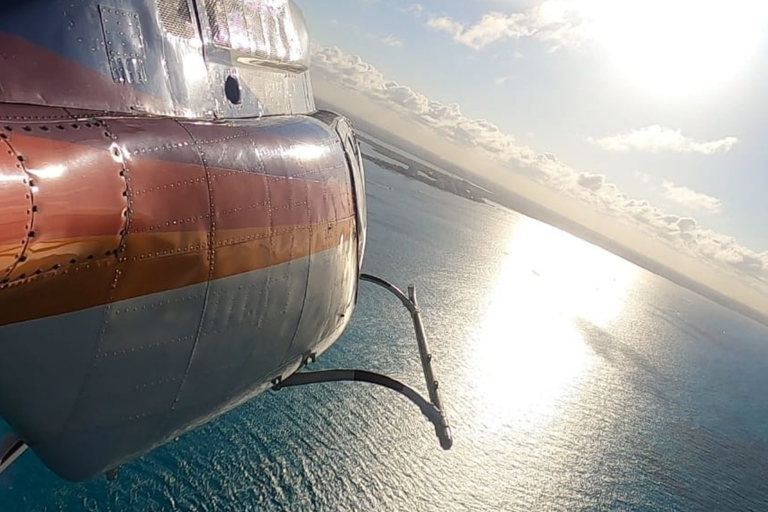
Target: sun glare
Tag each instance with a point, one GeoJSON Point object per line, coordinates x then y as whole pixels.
{"type": "Point", "coordinates": [677, 47]}
{"type": "Point", "coordinates": [530, 352]}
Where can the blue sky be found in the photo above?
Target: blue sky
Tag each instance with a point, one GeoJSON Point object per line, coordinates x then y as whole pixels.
{"type": "Point", "coordinates": [666, 101]}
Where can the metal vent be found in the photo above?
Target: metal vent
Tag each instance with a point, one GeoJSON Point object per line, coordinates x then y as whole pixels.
{"type": "Point", "coordinates": [271, 32]}
{"type": "Point", "coordinates": [256, 30]}
{"type": "Point", "coordinates": [176, 18]}
{"type": "Point", "coordinates": [217, 19]}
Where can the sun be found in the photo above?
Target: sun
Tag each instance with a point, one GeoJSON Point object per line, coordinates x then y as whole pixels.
{"type": "Point", "coordinates": [677, 47]}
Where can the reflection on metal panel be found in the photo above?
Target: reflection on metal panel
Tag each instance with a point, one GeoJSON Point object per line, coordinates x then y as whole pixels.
{"type": "Point", "coordinates": [63, 165]}
{"type": "Point", "coordinates": [136, 59]}
{"type": "Point", "coordinates": [278, 92]}
{"type": "Point", "coordinates": [270, 32]}
{"type": "Point", "coordinates": [15, 210]}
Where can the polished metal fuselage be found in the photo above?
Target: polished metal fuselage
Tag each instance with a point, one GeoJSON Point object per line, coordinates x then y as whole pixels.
{"type": "Point", "coordinates": [160, 264]}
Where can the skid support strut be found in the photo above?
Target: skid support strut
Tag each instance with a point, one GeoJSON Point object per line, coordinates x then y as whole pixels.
{"type": "Point", "coordinates": [432, 408]}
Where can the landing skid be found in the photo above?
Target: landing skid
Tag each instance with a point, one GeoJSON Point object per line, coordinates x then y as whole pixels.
{"type": "Point", "coordinates": [432, 408]}
{"type": "Point", "coordinates": [11, 448]}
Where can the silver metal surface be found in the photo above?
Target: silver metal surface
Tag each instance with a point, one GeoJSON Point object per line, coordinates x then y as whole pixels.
{"type": "Point", "coordinates": [125, 45]}
{"type": "Point", "coordinates": [147, 57]}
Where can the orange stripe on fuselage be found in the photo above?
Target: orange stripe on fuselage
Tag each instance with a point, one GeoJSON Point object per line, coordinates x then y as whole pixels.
{"type": "Point", "coordinates": [101, 189]}
{"type": "Point", "coordinates": [154, 263]}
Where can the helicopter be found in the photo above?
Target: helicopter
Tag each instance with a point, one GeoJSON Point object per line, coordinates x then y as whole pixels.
{"type": "Point", "coordinates": [181, 229]}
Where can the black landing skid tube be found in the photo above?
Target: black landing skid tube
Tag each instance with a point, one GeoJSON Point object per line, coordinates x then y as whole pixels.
{"type": "Point", "coordinates": [11, 448]}
{"type": "Point", "coordinates": [431, 408]}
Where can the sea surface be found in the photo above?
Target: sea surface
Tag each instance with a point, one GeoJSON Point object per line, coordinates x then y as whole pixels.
{"type": "Point", "coordinates": [573, 379]}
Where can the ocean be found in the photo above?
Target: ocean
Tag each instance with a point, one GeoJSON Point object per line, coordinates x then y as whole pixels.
{"type": "Point", "coordinates": [573, 380]}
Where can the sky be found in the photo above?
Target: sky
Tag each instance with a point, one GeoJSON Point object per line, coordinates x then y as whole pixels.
{"type": "Point", "coordinates": [649, 111]}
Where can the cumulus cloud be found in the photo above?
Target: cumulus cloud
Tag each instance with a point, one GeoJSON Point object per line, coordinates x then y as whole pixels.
{"type": "Point", "coordinates": [448, 121]}
{"type": "Point", "coordinates": [557, 22]}
{"type": "Point", "coordinates": [690, 198]}
{"type": "Point", "coordinates": [491, 28]}
{"type": "Point", "coordinates": [657, 138]}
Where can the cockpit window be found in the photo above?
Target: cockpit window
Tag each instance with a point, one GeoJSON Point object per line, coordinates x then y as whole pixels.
{"type": "Point", "coordinates": [176, 18]}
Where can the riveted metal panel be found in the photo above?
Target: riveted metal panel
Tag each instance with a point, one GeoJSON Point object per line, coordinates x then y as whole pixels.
{"type": "Point", "coordinates": [263, 45]}
{"type": "Point", "coordinates": [330, 294]}
{"type": "Point", "coordinates": [224, 227]}
{"type": "Point", "coordinates": [246, 330]}
{"type": "Point", "coordinates": [142, 354]}
{"type": "Point", "coordinates": [77, 191]}
{"type": "Point", "coordinates": [147, 58]}
{"type": "Point", "coordinates": [125, 45]}
{"type": "Point", "coordinates": [15, 208]}
{"type": "Point", "coordinates": [169, 214]}
{"type": "Point", "coordinates": [244, 220]}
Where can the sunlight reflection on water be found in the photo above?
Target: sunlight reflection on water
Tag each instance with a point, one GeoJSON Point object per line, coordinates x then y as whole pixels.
{"type": "Point", "coordinates": [529, 352]}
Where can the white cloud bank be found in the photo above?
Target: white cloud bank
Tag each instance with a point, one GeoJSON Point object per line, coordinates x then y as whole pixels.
{"type": "Point", "coordinates": [657, 138]}
{"type": "Point", "coordinates": [690, 198]}
{"type": "Point", "coordinates": [684, 234]}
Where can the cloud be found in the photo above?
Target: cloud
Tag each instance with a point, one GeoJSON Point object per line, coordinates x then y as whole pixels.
{"type": "Point", "coordinates": [502, 80]}
{"type": "Point", "coordinates": [593, 182]}
{"type": "Point", "coordinates": [657, 138]}
{"type": "Point", "coordinates": [491, 28]}
{"type": "Point", "coordinates": [685, 234]}
{"type": "Point", "coordinates": [388, 40]}
{"type": "Point", "coordinates": [415, 9]}
{"type": "Point", "coordinates": [690, 198]}
{"type": "Point", "coordinates": [557, 22]}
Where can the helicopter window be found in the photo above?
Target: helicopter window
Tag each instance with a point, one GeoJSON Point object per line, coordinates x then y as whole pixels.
{"type": "Point", "coordinates": [176, 18]}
